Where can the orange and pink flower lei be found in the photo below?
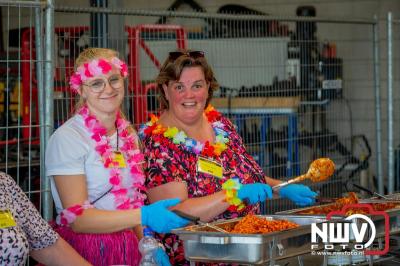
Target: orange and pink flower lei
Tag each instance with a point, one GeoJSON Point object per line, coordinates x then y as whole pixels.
{"type": "Point", "coordinates": [179, 137]}
{"type": "Point", "coordinates": [231, 186]}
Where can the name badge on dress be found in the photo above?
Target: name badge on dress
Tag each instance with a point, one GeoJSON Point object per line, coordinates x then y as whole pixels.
{"type": "Point", "coordinates": [208, 166]}
{"type": "Point", "coordinates": [119, 159]}
{"type": "Point", "coordinates": [6, 219]}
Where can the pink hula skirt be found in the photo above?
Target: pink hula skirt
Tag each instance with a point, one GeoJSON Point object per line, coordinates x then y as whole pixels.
{"type": "Point", "coordinates": [103, 249]}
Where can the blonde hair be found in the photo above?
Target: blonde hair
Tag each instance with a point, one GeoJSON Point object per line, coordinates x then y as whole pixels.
{"type": "Point", "coordinates": [92, 53]}
{"type": "Point", "coordinates": [88, 55]}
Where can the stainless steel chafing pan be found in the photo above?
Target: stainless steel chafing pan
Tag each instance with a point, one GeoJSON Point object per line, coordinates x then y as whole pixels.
{"type": "Point", "coordinates": [201, 244]}
{"type": "Point", "coordinates": [394, 215]}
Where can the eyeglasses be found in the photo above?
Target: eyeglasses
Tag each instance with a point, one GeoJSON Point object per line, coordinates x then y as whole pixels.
{"type": "Point", "coordinates": [98, 85]}
{"type": "Point", "coordinates": [193, 54]}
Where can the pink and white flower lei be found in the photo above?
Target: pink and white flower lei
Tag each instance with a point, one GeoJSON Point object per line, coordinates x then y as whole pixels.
{"type": "Point", "coordinates": [125, 197]}
{"type": "Point", "coordinates": [69, 215]}
{"type": "Point", "coordinates": [95, 68]}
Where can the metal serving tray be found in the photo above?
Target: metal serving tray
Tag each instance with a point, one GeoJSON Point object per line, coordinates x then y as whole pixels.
{"type": "Point", "coordinates": [201, 244]}
{"type": "Point", "coordinates": [394, 215]}
{"type": "Point", "coordinates": [394, 196]}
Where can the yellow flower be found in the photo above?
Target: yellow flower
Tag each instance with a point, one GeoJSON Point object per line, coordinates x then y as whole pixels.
{"type": "Point", "coordinates": [229, 185]}
{"type": "Point", "coordinates": [218, 148]}
{"type": "Point", "coordinates": [171, 132]}
{"type": "Point", "coordinates": [240, 206]}
{"type": "Point", "coordinates": [236, 201]}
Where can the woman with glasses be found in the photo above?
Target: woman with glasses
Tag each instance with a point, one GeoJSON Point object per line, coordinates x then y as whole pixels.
{"type": "Point", "coordinates": [95, 166]}
{"type": "Point", "coordinates": [193, 152]}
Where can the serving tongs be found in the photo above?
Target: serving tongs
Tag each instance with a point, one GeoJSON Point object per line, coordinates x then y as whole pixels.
{"type": "Point", "coordinates": [196, 220]}
{"type": "Point", "coordinates": [319, 170]}
{"type": "Point", "coordinates": [379, 196]}
{"type": "Point", "coordinates": [372, 193]}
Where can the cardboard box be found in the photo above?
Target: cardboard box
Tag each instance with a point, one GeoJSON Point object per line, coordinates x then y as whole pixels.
{"type": "Point", "coordinates": [257, 102]}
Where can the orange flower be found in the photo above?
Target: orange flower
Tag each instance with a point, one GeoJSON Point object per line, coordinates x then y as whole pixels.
{"type": "Point", "coordinates": [159, 129]}
{"type": "Point", "coordinates": [153, 118]}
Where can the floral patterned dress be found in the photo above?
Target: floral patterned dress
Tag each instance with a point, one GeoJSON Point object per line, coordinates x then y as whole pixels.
{"type": "Point", "coordinates": [170, 162]}
{"type": "Point", "coordinates": [31, 232]}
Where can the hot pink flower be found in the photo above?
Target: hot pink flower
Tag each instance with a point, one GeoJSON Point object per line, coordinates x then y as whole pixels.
{"type": "Point", "coordinates": [90, 122]}
{"type": "Point", "coordinates": [107, 162]}
{"type": "Point", "coordinates": [128, 146]}
{"type": "Point", "coordinates": [102, 149]}
{"type": "Point", "coordinates": [87, 72]}
{"type": "Point", "coordinates": [120, 192]}
{"type": "Point", "coordinates": [115, 180]}
{"type": "Point", "coordinates": [69, 216]}
{"type": "Point", "coordinates": [124, 70]}
{"type": "Point", "coordinates": [136, 170]}
{"type": "Point", "coordinates": [138, 157]}
{"type": "Point", "coordinates": [125, 205]}
{"type": "Point", "coordinates": [99, 130]}
{"type": "Point", "coordinates": [138, 183]}
{"type": "Point", "coordinates": [75, 81]}
{"type": "Point", "coordinates": [120, 65]}
{"type": "Point", "coordinates": [62, 220]}
{"type": "Point", "coordinates": [105, 66]}
{"type": "Point", "coordinates": [122, 124]}
{"type": "Point", "coordinates": [140, 187]}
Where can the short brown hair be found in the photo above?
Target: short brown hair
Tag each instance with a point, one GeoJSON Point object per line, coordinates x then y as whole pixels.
{"type": "Point", "coordinates": [171, 70]}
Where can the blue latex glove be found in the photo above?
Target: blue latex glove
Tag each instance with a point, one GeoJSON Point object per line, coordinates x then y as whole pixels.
{"type": "Point", "coordinates": [160, 219]}
{"type": "Point", "coordinates": [300, 194]}
{"type": "Point", "coordinates": [254, 193]}
{"type": "Point", "coordinates": [161, 257]}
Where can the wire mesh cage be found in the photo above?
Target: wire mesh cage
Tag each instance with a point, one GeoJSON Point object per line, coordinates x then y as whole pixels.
{"type": "Point", "coordinates": [289, 85]}
{"type": "Point", "coordinates": [19, 106]}
{"type": "Point", "coordinates": [297, 88]}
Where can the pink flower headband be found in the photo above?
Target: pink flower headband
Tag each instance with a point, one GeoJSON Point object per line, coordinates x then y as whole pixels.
{"type": "Point", "coordinates": [95, 68]}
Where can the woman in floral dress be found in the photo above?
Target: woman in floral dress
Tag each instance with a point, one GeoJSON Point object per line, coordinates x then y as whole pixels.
{"type": "Point", "coordinates": [194, 153]}
{"type": "Point", "coordinates": [23, 231]}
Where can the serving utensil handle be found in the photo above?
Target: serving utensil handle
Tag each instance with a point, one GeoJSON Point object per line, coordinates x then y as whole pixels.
{"type": "Point", "coordinates": [197, 220]}
{"type": "Point", "coordinates": [290, 181]}
{"type": "Point", "coordinates": [187, 216]}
